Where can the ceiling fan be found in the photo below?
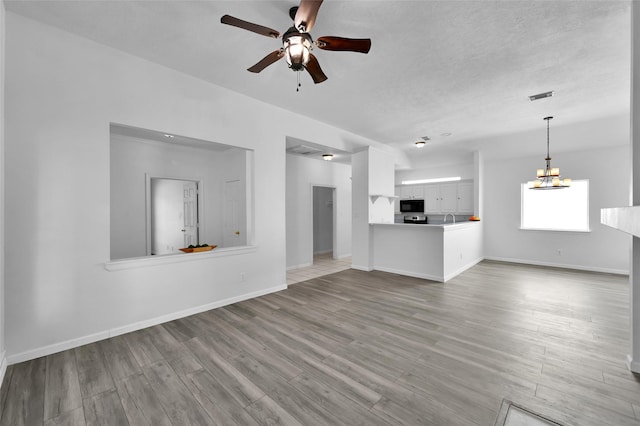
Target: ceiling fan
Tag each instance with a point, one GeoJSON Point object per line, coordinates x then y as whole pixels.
{"type": "Point", "coordinates": [297, 42]}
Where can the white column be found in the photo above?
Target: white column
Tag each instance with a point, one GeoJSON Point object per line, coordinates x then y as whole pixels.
{"type": "Point", "coordinates": [361, 256]}
{"type": "Point", "coordinates": [634, 356]}
{"type": "Point", "coordinates": [372, 173]}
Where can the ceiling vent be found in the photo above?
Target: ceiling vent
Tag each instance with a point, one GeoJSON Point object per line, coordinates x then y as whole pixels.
{"type": "Point", "coordinates": [304, 150]}
{"type": "Point", "coordinates": [541, 96]}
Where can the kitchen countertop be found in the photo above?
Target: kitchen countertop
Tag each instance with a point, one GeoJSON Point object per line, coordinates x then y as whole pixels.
{"type": "Point", "coordinates": [431, 225]}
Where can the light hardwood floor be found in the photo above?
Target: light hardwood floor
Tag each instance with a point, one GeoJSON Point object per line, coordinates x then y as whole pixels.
{"type": "Point", "coordinates": [357, 348]}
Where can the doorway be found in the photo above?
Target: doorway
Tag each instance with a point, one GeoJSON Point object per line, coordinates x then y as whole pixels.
{"type": "Point", "coordinates": [324, 222]}
{"type": "Point", "coordinates": [173, 215]}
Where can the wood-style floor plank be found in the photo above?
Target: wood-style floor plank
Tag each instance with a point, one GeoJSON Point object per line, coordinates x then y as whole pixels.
{"type": "Point", "coordinates": [177, 401]}
{"type": "Point", "coordinates": [24, 405]}
{"type": "Point", "coordinates": [140, 403]}
{"type": "Point", "coordinates": [104, 409]}
{"type": "Point", "coordinates": [62, 386]}
{"type": "Point", "coordinates": [93, 374]}
{"type": "Point", "coordinates": [357, 348]}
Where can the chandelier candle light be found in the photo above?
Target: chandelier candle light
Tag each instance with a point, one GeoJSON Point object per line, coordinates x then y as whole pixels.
{"type": "Point", "coordinates": [549, 177]}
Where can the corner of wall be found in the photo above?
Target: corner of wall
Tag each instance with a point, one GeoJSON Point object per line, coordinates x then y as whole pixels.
{"type": "Point", "coordinates": [3, 356]}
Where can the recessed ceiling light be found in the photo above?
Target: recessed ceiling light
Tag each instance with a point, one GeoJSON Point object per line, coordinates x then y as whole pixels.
{"type": "Point", "coordinates": [168, 136]}
{"type": "Point", "coordinates": [444, 135]}
{"type": "Point", "coordinates": [541, 96]}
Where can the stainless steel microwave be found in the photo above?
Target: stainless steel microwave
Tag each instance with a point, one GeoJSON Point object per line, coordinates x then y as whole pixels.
{"type": "Point", "coordinates": [412, 206]}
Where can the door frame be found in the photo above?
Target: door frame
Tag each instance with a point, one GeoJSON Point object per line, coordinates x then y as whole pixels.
{"type": "Point", "coordinates": [334, 211]}
{"type": "Point", "coordinates": [147, 206]}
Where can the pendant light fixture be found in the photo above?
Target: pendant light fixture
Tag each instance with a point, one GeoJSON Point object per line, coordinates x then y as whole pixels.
{"type": "Point", "coordinates": [549, 177]}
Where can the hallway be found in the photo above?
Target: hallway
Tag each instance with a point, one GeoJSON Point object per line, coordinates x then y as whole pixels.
{"type": "Point", "coordinates": [323, 264]}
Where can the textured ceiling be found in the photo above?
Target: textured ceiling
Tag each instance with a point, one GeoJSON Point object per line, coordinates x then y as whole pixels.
{"type": "Point", "coordinates": [435, 67]}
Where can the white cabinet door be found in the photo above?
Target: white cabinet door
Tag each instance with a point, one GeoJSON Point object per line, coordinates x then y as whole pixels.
{"type": "Point", "coordinates": [406, 192]}
{"type": "Point", "coordinates": [465, 198]}
{"type": "Point", "coordinates": [449, 198]}
{"type": "Point", "coordinates": [432, 199]}
{"type": "Point", "coordinates": [412, 192]}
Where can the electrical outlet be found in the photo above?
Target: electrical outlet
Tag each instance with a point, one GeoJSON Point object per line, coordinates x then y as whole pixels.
{"type": "Point", "coordinates": [243, 275]}
{"type": "Point", "coordinates": [559, 252]}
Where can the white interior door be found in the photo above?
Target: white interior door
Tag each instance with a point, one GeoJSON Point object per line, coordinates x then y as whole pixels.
{"type": "Point", "coordinates": [190, 213]}
{"type": "Point", "coordinates": [167, 215]}
{"type": "Point", "coordinates": [233, 234]}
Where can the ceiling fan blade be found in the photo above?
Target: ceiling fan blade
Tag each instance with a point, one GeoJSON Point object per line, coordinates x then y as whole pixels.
{"type": "Point", "coordinates": [313, 68]}
{"type": "Point", "coordinates": [245, 25]}
{"type": "Point", "coordinates": [306, 14]}
{"type": "Point", "coordinates": [361, 45]}
{"type": "Point", "coordinates": [266, 61]}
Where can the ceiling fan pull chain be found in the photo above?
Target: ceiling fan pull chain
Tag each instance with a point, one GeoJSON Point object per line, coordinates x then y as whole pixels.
{"type": "Point", "coordinates": [299, 85]}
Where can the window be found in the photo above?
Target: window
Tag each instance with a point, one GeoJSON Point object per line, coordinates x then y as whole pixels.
{"type": "Point", "coordinates": [557, 209]}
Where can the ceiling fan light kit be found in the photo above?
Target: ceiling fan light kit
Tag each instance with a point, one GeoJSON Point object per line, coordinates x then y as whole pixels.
{"type": "Point", "coordinates": [297, 49]}
{"type": "Point", "coordinates": [297, 42]}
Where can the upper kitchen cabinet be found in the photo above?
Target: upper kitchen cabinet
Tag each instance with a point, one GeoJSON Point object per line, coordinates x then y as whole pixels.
{"type": "Point", "coordinates": [465, 197]}
{"type": "Point", "coordinates": [412, 192]}
{"type": "Point", "coordinates": [449, 198]}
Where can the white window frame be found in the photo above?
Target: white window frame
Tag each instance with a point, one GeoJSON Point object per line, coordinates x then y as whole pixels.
{"type": "Point", "coordinates": [558, 209]}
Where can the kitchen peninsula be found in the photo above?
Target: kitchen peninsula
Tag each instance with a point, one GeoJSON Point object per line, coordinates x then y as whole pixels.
{"type": "Point", "coordinates": [436, 252]}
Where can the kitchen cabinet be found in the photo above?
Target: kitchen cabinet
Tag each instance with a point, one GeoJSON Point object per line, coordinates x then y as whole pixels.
{"type": "Point", "coordinates": [411, 192]}
{"type": "Point", "coordinates": [448, 198]}
{"type": "Point", "coordinates": [465, 197]}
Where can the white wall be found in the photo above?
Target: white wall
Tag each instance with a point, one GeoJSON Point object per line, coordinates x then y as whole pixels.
{"type": "Point", "coordinates": [322, 219]}
{"type": "Point", "coordinates": [302, 174]}
{"type": "Point", "coordinates": [62, 91]}
{"type": "Point", "coordinates": [465, 170]}
{"type": "Point", "coordinates": [603, 249]}
{"type": "Point", "coordinates": [3, 363]}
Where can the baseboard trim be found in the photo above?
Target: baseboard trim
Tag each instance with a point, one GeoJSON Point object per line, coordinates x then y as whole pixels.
{"type": "Point", "coordinates": [91, 338]}
{"type": "Point", "coordinates": [323, 252]}
{"type": "Point", "coordinates": [362, 268]}
{"type": "Point", "coordinates": [410, 274]}
{"type": "Point", "coordinates": [634, 366]}
{"type": "Point", "coordinates": [303, 265]}
{"type": "Point", "coordinates": [461, 270]}
{"type": "Point", "coordinates": [559, 265]}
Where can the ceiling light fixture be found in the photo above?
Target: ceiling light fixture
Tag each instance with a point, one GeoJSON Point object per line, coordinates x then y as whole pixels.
{"type": "Point", "coordinates": [541, 96]}
{"type": "Point", "coordinates": [168, 136]}
{"type": "Point", "coordinates": [297, 47]}
{"type": "Point", "coordinates": [327, 157]}
{"type": "Point", "coordinates": [549, 177]}
{"type": "Point", "coordinates": [420, 144]}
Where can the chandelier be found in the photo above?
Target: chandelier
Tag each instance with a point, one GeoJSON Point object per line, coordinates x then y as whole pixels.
{"type": "Point", "coordinates": [549, 177]}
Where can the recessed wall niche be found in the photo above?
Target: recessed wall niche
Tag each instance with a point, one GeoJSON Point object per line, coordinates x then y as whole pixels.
{"type": "Point", "coordinates": [169, 191]}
